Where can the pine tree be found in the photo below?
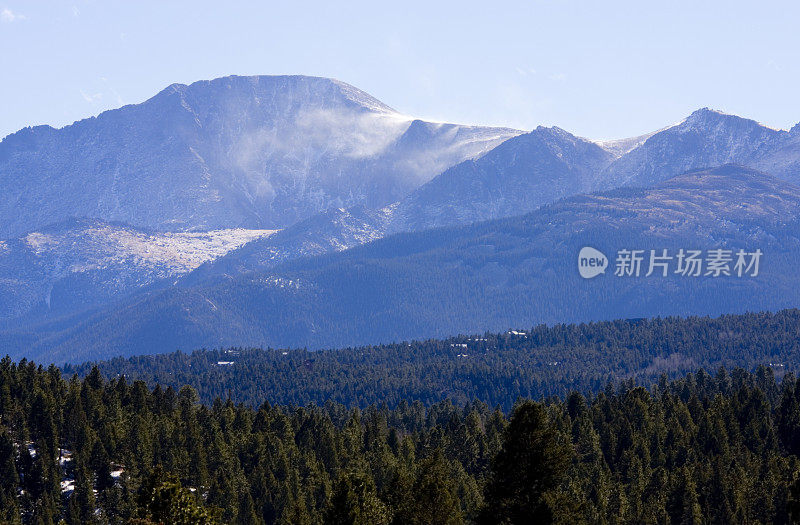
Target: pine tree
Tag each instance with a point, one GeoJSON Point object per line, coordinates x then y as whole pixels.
{"type": "Point", "coordinates": [432, 498]}
{"type": "Point", "coordinates": [163, 500]}
{"type": "Point", "coordinates": [247, 511]}
{"type": "Point", "coordinates": [9, 479]}
{"type": "Point", "coordinates": [355, 502]}
{"type": "Point", "coordinates": [532, 462]}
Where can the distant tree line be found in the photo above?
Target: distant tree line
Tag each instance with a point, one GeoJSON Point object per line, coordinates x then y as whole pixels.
{"type": "Point", "coordinates": [494, 368]}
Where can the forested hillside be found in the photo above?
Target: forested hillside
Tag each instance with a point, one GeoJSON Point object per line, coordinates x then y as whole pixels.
{"type": "Point", "coordinates": [493, 368]}
{"type": "Point", "coordinates": [487, 276]}
{"type": "Point", "coordinates": [703, 449]}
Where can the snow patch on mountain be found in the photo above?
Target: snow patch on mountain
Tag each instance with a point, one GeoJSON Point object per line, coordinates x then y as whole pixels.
{"type": "Point", "coordinates": [79, 261]}
{"type": "Point", "coordinates": [619, 147]}
{"type": "Point", "coordinates": [100, 245]}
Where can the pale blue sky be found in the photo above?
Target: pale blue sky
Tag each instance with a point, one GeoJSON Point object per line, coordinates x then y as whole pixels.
{"type": "Point", "coordinates": [597, 69]}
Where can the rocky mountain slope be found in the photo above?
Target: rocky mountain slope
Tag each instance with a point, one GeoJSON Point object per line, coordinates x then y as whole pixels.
{"type": "Point", "coordinates": [704, 139]}
{"type": "Point", "coordinates": [235, 152]}
{"type": "Point", "coordinates": [516, 177]}
{"type": "Point", "coordinates": [328, 232]}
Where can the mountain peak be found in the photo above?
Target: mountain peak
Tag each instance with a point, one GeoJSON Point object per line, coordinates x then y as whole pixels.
{"type": "Point", "coordinates": [554, 133]}
{"type": "Point", "coordinates": [707, 111]}
{"type": "Point", "coordinates": [555, 130]}
{"type": "Point", "coordinates": [705, 138]}
{"type": "Point", "coordinates": [707, 115]}
{"type": "Point", "coordinates": [295, 88]}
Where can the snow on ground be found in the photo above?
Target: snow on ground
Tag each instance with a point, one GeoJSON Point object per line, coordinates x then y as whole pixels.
{"type": "Point", "coordinates": [67, 485]}
{"type": "Point", "coordinates": [619, 147]}
{"type": "Point", "coordinates": [281, 282]}
{"type": "Point", "coordinates": [107, 245]}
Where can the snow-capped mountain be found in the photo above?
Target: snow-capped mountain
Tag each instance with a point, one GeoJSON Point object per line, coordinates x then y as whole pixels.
{"type": "Point", "coordinates": [235, 152]}
{"type": "Point", "coordinates": [526, 172]}
{"type": "Point", "coordinates": [548, 164]}
{"type": "Point", "coordinates": [80, 263]}
{"type": "Point", "coordinates": [706, 138]}
{"type": "Point", "coordinates": [516, 177]}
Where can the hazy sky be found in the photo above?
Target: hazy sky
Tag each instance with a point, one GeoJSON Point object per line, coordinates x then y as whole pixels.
{"type": "Point", "coordinates": [597, 69]}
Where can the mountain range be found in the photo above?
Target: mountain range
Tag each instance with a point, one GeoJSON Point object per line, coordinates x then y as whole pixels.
{"type": "Point", "coordinates": [541, 167]}
{"type": "Point", "coordinates": [236, 152]}
{"type": "Point", "coordinates": [513, 272]}
{"type": "Point", "coordinates": [301, 211]}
